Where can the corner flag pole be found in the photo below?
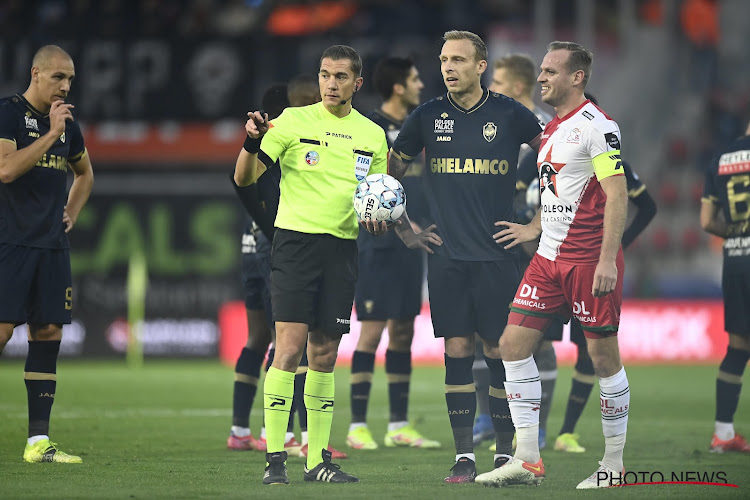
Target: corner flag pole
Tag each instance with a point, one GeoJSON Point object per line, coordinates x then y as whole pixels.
{"type": "Point", "coordinates": [136, 290]}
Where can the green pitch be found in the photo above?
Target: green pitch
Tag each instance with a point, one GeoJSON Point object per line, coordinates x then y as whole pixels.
{"type": "Point", "coordinates": [160, 432]}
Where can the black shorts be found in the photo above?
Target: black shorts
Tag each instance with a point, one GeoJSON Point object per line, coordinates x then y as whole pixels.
{"type": "Point", "coordinates": [35, 285]}
{"type": "Point", "coordinates": [554, 332]}
{"type": "Point", "coordinates": [256, 281]}
{"type": "Point", "coordinates": [389, 285]}
{"type": "Point", "coordinates": [735, 286]}
{"type": "Point", "coordinates": [468, 297]}
{"type": "Point", "coordinates": [312, 280]}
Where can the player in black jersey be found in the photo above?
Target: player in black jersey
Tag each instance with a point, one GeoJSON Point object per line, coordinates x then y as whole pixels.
{"type": "Point", "coordinates": [39, 140]}
{"type": "Point", "coordinates": [725, 212]}
{"type": "Point", "coordinates": [255, 270]}
{"type": "Point", "coordinates": [384, 261]}
{"type": "Point", "coordinates": [471, 138]}
{"type": "Point", "coordinates": [514, 75]}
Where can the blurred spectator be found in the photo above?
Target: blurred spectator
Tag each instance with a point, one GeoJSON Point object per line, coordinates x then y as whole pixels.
{"type": "Point", "coordinates": [236, 18]}
{"type": "Point", "coordinates": [198, 19]}
{"type": "Point", "coordinates": [157, 17]}
{"type": "Point", "coordinates": [15, 18]}
{"type": "Point", "coordinates": [699, 20]}
{"type": "Point", "coordinates": [309, 17]}
{"type": "Point", "coordinates": [51, 16]}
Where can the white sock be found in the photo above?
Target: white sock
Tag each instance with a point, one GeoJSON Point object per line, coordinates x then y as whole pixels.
{"type": "Point", "coordinates": [613, 448]}
{"type": "Point", "coordinates": [394, 426]}
{"type": "Point", "coordinates": [724, 430]}
{"type": "Point", "coordinates": [527, 444]}
{"type": "Point", "coordinates": [240, 432]}
{"type": "Point", "coordinates": [263, 432]}
{"type": "Point", "coordinates": [34, 439]}
{"type": "Point", "coordinates": [289, 437]}
{"type": "Point", "coordinates": [356, 426]}
{"type": "Point", "coordinates": [470, 456]}
{"type": "Point", "coordinates": [615, 402]}
{"type": "Point", "coordinates": [304, 437]}
{"type": "Point", "coordinates": [524, 391]}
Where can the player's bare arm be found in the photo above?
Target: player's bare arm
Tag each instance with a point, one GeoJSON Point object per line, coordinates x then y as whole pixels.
{"type": "Point", "coordinates": [515, 234]}
{"type": "Point", "coordinates": [16, 162]}
{"type": "Point", "coordinates": [83, 181]}
{"type": "Point", "coordinates": [615, 213]}
{"type": "Point", "coordinates": [398, 164]}
{"type": "Point", "coordinates": [712, 220]}
{"type": "Point", "coordinates": [248, 167]}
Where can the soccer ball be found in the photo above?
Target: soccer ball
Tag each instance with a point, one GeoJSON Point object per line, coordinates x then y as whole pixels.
{"type": "Point", "coordinates": [379, 197]}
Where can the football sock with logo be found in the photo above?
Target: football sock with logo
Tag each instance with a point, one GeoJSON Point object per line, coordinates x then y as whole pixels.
{"type": "Point", "coordinates": [299, 394]}
{"type": "Point", "coordinates": [524, 398]}
{"type": "Point", "coordinates": [246, 375]}
{"type": "Point", "coordinates": [398, 373]}
{"type": "Point", "coordinates": [319, 391]}
{"type": "Point", "coordinates": [461, 398]}
{"type": "Point", "coordinates": [363, 364]}
{"type": "Point", "coordinates": [615, 403]}
{"type": "Point", "coordinates": [278, 393]}
{"type": "Point", "coordinates": [40, 375]}
{"type": "Point", "coordinates": [499, 409]}
{"type": "Point", "coordinates": [583, 383]}
{"type": "Point", "coordinates": [728, 387]}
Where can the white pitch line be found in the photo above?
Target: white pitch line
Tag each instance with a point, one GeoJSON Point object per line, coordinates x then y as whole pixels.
{"type": "Point", "coordinates": [131, 412]}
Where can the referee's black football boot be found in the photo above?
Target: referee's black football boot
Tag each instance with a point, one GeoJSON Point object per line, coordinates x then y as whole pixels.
{"type": "Point", "coordinates": [276, 469]}
{"type": "Point", "coordinates": [326, 472]}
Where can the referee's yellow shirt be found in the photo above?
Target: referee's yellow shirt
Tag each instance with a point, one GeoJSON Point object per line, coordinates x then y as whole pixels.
{"type": "Point", "coordinates": [322, 159]}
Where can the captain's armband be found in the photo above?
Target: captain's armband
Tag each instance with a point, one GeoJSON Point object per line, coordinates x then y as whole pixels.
{"type": "Point", "coordinates": [608, 164]}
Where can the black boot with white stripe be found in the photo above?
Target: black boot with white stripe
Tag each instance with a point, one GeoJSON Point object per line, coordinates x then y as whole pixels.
{"type": "Point", "coordinates": [327, 472]}
{"type": "Point", "coordinates": [275, 472]}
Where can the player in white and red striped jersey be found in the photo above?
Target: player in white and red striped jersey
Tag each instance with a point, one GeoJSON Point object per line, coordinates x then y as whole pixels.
{"type": "Point", "coordinates": [577, 269]}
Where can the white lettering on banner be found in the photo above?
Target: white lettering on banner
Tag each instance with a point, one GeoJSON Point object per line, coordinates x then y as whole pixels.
{"type": "Point", "coordinates": [650, 332]}
{"type": "Point", "coordinates": [665, 334]}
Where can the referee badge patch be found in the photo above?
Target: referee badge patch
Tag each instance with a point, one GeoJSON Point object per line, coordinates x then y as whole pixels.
{"type": "Point", "coordinates": [489, 131]}
{"type": "Point", "coordinates": [312, 158]}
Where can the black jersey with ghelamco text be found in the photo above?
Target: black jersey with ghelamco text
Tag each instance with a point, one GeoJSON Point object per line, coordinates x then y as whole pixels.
{"type": "Point", "coordinates": [471, 157]}
{"type": "Point", "coordinates": [413, 183]}
{"type": "Point", "coordinates": [31, 207]}
{"type": "Point", "coordinates": [728, 185]}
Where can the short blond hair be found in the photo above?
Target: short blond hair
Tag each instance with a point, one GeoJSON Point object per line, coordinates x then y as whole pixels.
{"type": "Point", "coordinates": [480, 49]}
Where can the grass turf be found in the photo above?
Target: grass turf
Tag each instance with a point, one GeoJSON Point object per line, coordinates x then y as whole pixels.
{"type": "Point", "coordinates": [160, 432]}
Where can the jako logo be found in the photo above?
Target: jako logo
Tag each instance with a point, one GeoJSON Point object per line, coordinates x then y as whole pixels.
{"type": "Point", "coordinates": [341, 321]}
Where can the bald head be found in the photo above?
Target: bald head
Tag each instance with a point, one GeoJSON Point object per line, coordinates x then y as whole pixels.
{"type": "Point", "coordinates": [44, 56]}
{"type": "Point", "coordinates": [52, 73]}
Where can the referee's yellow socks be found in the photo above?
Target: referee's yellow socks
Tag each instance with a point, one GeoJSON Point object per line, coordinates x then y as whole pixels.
{"type": "Point", "coordinates": [319, 391]}
{"type": "Point", "coordinates": [278, 392]}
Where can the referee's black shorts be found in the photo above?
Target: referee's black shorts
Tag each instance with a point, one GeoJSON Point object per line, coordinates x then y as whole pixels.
{"type": "Point", "coordinates": [312, 280]}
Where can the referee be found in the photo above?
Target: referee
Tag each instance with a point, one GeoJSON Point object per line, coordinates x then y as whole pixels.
{"type": "Point", "coordinates": [324, 150]}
